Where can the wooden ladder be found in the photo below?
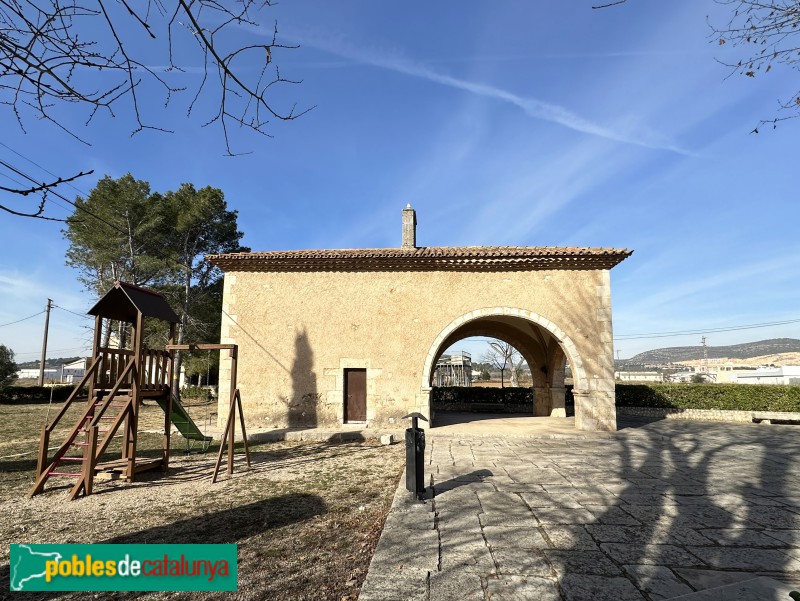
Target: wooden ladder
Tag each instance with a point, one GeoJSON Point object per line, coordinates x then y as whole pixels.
{"type": "Point", "coordinates": [88, 440]}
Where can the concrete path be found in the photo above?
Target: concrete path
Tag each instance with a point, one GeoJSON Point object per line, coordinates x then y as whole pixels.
{"type": "Point", "coordinates": [655, 511]}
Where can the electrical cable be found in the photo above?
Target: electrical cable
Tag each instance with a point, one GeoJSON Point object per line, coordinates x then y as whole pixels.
{"type": "Point", "coordinates": [73, 312]}
{"type": "Point", "coordinates": [11, 323]}
{"type": "Point", "coordinates": [705, 331]}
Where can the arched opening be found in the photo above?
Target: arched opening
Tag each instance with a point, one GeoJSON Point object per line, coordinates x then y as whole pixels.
{"type": "Point", "coordinates": [495, 363]}
{"type": "Point", "coordinates": [544, 347]}
{"type": "Point", "coordinates": [481, 375]}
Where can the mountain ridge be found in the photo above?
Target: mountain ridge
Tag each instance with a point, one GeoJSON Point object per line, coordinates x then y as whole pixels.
{"type": "Point", "coordinates": [746, 350]}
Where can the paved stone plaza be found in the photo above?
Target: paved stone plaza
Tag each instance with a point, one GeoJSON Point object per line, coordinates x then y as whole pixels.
{"type": "Point", "coordinates": [655, 511]}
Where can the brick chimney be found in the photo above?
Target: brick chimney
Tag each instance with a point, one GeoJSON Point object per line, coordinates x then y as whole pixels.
{"type": "Point", "coordinates": [409, 227]}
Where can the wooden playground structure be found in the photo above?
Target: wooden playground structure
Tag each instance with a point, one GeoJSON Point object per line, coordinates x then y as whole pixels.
{"type": "Point", "coordinates": [118, 380]}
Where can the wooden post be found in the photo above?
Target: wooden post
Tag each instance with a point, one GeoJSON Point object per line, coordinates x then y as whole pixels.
{"type": "Point", "coordinates": [244, 432]}
{"type": "Point", "coordinates": [228, 427]}
{"type": "Point", "coordinates": [228, 423]}
{"type": "Point", "coordinates": [168, 412]}
{"type": "Point", "coordinates": [89, 460]}
{"type": "Point", "coordinates": [41, 461]}
{"type": "Point", "coordinates": [44, 343]}
{"type": "Point", "coordinates": [98, 332]}
{"type": "Point", "coordinates": [133, 419]}
{"type": "Point", "coordinates": [232, 433]}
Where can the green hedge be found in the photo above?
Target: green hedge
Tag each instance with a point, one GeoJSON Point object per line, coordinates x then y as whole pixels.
{"type": "Point", "coordinates": [478, 394]}
{"type": "Point", "coordinates": [729, 397]}
{"type": "Point", "coordinates": [196, 392]}
{"type": "Point", "coordinates": [34, 394]}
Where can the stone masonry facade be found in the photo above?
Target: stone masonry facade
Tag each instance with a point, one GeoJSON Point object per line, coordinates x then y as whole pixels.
{"type": "Point", "coordinates": [301, 318]}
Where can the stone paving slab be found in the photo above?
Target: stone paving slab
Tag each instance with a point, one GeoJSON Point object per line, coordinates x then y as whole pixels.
{"type": "Point", "coordinates": [522, 588]}
{"type": "Point", "coordinates": [580, 587]}
{"type": "Point", "coordinates": [760, 589]}
{"type": "Point", "coordinates": [654, 511]}
{"type": "Point", "coordinates": [593, 563]}
{"type": "Point", "coordinates": [658, 582]}
{"type": "Point", "coordinates": [528, 562]}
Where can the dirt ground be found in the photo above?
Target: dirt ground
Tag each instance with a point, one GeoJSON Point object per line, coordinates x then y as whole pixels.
{"type": "Point", "coordinates": [306, 516]}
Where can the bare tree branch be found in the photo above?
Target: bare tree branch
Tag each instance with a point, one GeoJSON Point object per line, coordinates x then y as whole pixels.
{"type": "Point", "coordinates": [42, 189]}
{"type": "Point", "coordinates": [767, 34]}
{"type": "Point", "coordinates": [47, 45]}
{"type": "Point", "coordinates": [501, 355]}
{"type": "Point", "coordinates": [44, 186]}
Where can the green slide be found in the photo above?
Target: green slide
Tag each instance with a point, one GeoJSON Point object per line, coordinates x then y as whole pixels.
{"type": "Point", "coordinates": [184, 423]}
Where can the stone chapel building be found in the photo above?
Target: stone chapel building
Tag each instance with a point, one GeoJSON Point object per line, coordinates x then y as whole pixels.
{"type": "Point", "coordinates": [330, 337]}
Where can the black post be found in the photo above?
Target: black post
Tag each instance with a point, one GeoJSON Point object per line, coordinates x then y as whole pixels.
{"type": "Point", "coordinates": [415, 456]}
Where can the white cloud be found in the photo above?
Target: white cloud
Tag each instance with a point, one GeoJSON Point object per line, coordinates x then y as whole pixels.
{"type": "Point", "coordinates": [538, 109]}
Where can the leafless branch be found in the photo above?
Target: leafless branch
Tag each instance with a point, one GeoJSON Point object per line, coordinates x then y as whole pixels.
{"type": "Point", "coordinates": [47, 46]}
{"type": "Point", "coordinates": [767, 35]}
{"type": "Point", "coordinates": [42, 189]}
{"type": "Point", "coordinates": [44, 186]}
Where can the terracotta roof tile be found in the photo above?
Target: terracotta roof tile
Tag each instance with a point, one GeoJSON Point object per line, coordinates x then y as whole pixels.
{"type": "Point", "coordinates": [426, 258]}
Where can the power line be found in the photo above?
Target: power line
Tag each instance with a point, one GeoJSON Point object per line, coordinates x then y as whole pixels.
{"type": "Point", "coordinates": [705, 331]}
{"type": "Point", "coordinates": [11, 323]}
{"type": "Point", "coordinates": [32, 162]}
{"type": "Point", "coordinates": [83, 209]}
{"type": "Point", "coordinates": [57, 350]}
{"type": "Point", "coordinates": [22, 185]}
{"type": "Point", "coordinates": [73, 312]}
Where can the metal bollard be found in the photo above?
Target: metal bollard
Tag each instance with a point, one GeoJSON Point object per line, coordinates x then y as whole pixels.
{"type": "Point", "coordinates": [415, 456]}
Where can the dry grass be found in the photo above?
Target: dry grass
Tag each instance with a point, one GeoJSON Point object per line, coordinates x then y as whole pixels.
{"type": "Point", "coordinates": [306, 517]}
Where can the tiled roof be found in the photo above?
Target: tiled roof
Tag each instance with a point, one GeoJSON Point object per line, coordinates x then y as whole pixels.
{"type": "Point", "coordinates": [431, 258]}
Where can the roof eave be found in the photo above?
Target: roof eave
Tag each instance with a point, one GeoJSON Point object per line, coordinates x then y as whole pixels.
{"type": "Point", "coordinates": [586, 259]}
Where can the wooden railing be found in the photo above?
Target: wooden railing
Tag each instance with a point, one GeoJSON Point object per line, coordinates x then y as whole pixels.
{"type": "Point", "coordinates": [155, 369]}
{"type": "Point", "coordinates": [112, 366]}
{"type": "Point", "coordinates": [154, 374]}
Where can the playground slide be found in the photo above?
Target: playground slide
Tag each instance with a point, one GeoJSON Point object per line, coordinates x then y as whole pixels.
{"type": "Point", "coordinates": [183, 422]}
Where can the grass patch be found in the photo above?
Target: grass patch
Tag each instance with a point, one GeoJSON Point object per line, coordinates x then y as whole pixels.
{"type": "Point", "coordinates": [306, 517]}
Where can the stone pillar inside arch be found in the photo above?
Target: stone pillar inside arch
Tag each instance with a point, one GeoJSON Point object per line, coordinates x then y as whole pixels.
{"type": "Point", "coordinates": [541, 390]}
{"type": "Point", "coordinates": [541, 401]}
{"type": "Point", "coordinates": [558, 403]}
{"type": "Point", "coordinates": [556, 374]}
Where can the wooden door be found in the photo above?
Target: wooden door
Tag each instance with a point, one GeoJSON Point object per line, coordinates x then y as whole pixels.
{"type": "Point", "coordinates": [355, 395]}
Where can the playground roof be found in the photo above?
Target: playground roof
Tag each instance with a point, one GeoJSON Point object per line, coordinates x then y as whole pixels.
{"type": "Point", "coordinates": [125, 301]}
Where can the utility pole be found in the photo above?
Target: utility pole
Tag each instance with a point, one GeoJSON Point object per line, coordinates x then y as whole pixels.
{"type": "Point", "coordinates": [44, 342]}
{"type": "Point", "coordinates": [705, 354]}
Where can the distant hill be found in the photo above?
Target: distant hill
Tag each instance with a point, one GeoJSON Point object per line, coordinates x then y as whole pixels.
{"type": "Point", "coordinates": [677, 354]}
{"type": "Point", "coordinates": [58, 362]}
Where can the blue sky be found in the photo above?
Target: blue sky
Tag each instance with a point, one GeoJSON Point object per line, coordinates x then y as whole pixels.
{"type": "Point", "coordinates": [518, 123]}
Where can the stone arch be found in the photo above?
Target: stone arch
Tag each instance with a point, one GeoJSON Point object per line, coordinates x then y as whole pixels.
{"type": "Point", "coordinates": [581, 382]}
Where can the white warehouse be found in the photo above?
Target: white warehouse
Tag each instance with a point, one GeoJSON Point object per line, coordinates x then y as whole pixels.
{"type": "Point", "coordinates": [788, 375]}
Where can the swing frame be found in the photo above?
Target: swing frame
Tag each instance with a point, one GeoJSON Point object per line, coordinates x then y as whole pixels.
{"type": "Point", "coordinates": [229, 433]}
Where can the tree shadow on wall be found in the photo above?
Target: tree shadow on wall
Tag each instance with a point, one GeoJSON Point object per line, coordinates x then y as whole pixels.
{"type": "Point", "coordinates": [303, 404]}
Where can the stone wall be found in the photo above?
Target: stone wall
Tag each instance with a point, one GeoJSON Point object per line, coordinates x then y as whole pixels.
{"type": "Point", "coordinates": [715, 415]}
{"type": "Point", "coordinates": [298, 331]}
